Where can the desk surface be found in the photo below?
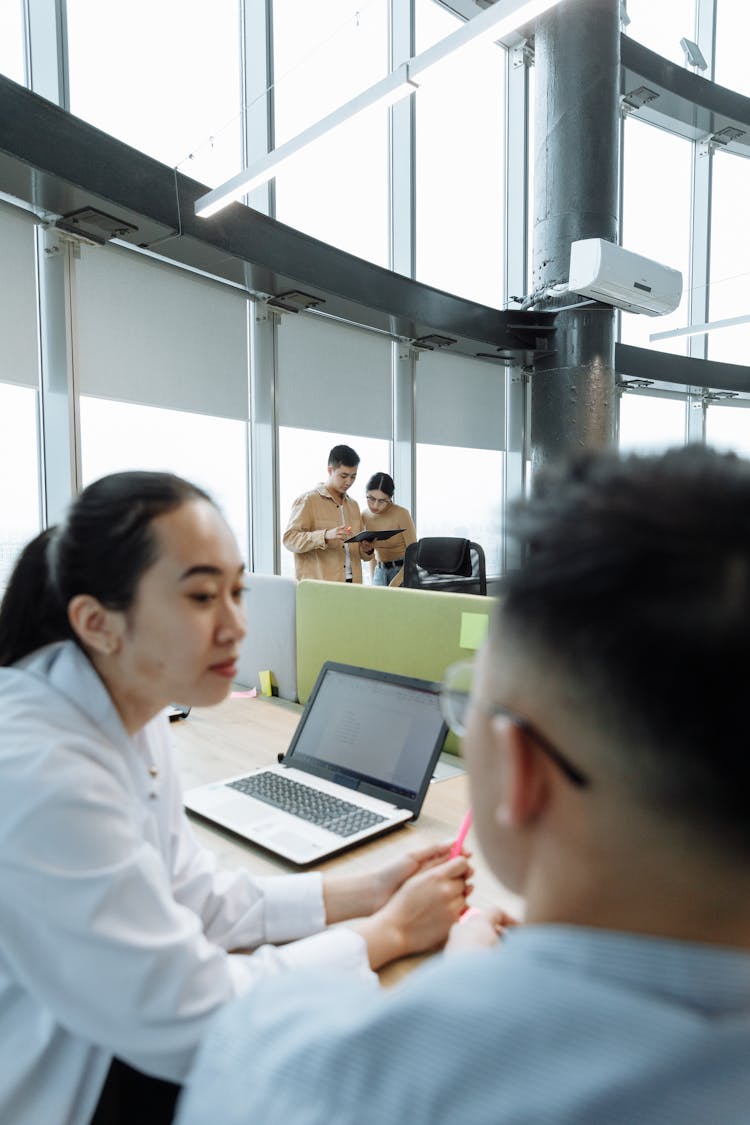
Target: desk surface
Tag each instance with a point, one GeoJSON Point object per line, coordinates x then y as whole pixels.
{"type": "Point", "coordinates": [243, 733]}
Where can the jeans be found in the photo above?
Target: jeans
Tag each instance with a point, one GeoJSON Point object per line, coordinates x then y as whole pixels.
{"type": "Point", "coordinates": [386, 572]}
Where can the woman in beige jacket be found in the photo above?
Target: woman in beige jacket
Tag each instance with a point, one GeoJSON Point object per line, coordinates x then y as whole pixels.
{"type": "Point", "coordinates": [382, 514]}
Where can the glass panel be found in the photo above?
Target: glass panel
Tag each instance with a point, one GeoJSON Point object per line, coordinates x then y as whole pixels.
{"type": "Point", "coordinates": [728, 427]}
{"type": "Point", "coordinates": [460, 401]}
{"type": "Point", "coordinates": [730, 255]}
{"type": "Point", "coordinates": [530, 173]}
{"type": "Point", "coordinates": [19, 474]}
{"type": "Point", "coordinates": [19, 355]}
{"type": "Point", "coordinates": [661, 25]}
{"type": "Point", "coordinates": [303, 459]}
{"type": "Point", "coordinates": [11, 40]}
{"type": "Point", "coordinates": [164, 77]}
{"type": "Point", "coordinates": [649, 423]}
{"type": "Point", "coordinates": [732, 29]}
{"type": "Point", "coordinates": [459, 493]}
{"type": "Point", "coordinates": [211, 452]}
{"type": "Point", "coordinates": [327, 371]}
{"type": "Point", "coordinates": [459, 166]}
{"type": "Point", "coordinates": [326, 53]}
{"type": "Point", "coordinates": [190, 350]}
{"type": "Point", "coordinates": [656, 221]}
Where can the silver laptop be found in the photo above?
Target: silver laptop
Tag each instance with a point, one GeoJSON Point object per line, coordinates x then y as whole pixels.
{"type": "Point", "coordinates": [358, 765]}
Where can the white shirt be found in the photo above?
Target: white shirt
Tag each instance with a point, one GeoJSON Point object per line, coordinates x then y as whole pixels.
{"type": "Point", "coordinates": [114, 921]}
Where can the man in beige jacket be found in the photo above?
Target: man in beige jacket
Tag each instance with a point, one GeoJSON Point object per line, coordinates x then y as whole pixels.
{"type": "Point", "coordinates": [322, 519]}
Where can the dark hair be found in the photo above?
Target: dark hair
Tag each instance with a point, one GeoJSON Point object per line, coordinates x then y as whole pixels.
{"type": "Point", "coordinates": [342, 455]}
{"type": "Point", "coordinates": [383, 483]}
{"type": "Point", "coordinates": [102, 548]}
{"type": "Point", "coordinates": [636, 589]}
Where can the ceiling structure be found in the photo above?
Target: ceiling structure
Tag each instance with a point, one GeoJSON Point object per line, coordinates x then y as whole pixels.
{"type": "Point", "coordinates": [94, 186]}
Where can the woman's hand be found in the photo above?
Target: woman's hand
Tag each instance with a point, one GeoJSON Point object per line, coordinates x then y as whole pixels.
{"type": "Point", "coordinates": [386, 880]}
{"type": "Point", "coordinates": [358, 896]}
{"type": "Point", "coordinates": [419, 915]}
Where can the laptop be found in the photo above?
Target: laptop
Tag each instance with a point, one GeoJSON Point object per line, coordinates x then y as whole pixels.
{"type": "Point", "coordinates": [359, 764]}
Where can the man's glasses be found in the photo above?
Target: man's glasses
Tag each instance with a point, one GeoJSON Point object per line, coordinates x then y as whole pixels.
{"type": "Point", "coordinates": [376, 500]}
{"type": "Point", "coordinates": [456, 702]}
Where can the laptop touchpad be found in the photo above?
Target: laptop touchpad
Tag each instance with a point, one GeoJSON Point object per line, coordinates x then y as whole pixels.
{"type": "Point", "coordinates": [239, 810]}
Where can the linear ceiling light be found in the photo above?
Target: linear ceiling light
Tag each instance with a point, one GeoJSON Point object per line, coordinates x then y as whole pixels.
{"type": "Point", "coordinates": [701, 329]}
{"type": "Point", "coordinates": [504, 17]}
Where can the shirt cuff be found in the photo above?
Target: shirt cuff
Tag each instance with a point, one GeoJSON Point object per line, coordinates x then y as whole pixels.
{"type": "Point", "coordinates": [339, 948]}
{"type": "Point", "coordinates": [294, 906]}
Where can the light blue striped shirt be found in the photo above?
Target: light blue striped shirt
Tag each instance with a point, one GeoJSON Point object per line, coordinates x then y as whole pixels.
{"type": "Point", "coordinates": [558, 1025]}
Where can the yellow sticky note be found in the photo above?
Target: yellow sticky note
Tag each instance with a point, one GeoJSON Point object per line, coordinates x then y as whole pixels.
{"type": "Point", "coordinates": [266, 683]}
{"type": "Point", "coordinates": [473, 629]}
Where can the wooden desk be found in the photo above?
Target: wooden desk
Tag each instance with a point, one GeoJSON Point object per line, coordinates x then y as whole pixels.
{"type": "Point", "coordinates": [242, 733]}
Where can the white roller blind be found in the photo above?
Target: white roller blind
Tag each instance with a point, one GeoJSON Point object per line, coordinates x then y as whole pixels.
{"type": "Point", "coordinates": [157, 335]}
{"type": "Point", "coordinates": [332, 377]}
{"type": "Point", "coordinates": [18, 309]}
{"type": "Point", "coordinates": [460, 402]}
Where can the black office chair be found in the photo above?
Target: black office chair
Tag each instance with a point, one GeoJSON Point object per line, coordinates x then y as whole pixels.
{"type": "Point", "coordinates": [439, 563]}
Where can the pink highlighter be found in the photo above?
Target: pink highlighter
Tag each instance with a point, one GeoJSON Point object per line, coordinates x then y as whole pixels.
{"type": "Point", "coordinates": [462, 833]}
{"type": "Point", "coordinates": [458, 844]}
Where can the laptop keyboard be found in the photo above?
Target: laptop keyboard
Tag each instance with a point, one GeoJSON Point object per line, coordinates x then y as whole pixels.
{"type": "Point", "coordinates": [340, 817]}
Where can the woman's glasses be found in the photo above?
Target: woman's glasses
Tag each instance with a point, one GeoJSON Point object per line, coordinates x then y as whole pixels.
{"type": "Point", "coordinates": [376, 500]}
{"type": "Point", "coordinates": [456, 701]}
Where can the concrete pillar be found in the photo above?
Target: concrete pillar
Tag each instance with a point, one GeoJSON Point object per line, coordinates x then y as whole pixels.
{"type": "Point", "coordinates": [576, 141]}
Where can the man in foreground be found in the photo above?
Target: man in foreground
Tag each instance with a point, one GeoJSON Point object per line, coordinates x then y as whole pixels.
{"type": "Point", "coordinates": [607, 748]}
{"type": "Point", "coordinates": [323, 519]}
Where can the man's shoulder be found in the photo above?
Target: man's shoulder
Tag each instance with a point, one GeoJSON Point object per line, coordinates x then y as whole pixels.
{"type": "Point", "coordinates": [317, 490]}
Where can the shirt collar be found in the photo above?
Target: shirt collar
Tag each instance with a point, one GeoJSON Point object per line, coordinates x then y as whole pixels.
{"type": "Point", "coordinates": [322, 490]}
{"type": "Point", "coordinates": [70, 673]}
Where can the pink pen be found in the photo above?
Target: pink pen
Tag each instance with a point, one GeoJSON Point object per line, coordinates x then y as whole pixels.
{"type": "Point", "coordinates": [462, 832]}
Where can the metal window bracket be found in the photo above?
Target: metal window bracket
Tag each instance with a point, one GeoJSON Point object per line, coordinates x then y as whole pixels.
{"type": "Point", "coordinates": [707, 397]}
{"type": "Point", "coordinates": [523, 54]}
{"type": "Point", "coordinates": [633, 384]}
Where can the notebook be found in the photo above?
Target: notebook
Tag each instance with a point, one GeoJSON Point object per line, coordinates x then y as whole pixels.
{"type": "Point", "coordinates": [365, 749]}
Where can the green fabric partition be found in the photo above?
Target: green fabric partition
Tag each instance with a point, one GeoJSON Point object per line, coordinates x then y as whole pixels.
{"type": "Point", "coordinates": [412, 632]}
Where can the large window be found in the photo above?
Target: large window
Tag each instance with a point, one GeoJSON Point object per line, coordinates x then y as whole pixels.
{"type": "Point", "coordinates": [19, 474]}
{"type": "Point", "coordinates": [460, 423]}
{"type": "Point", "coordinates": [656, 221]}
{"type": "Point", "coordinates": [728, 427]}
{"type": "Point", "coordinates": [660, 25]}
{"type": "Point", "coordinates": [650, 423]}
{"type": "Point", "coordinates": [325, 53]}
{"type": "Point", "coordinates": [210, 452]}
{"type": "Point", "coordinates": [19, 379]}
{"type": "Point", "coordinates": [732, 28]}
{"type": "Point", "coordinates": [460, 145]}
{"type": "Point", "coordinates": [165, 77]}
{"type": "Point", "coordinates": [730, 258]}
{"type": "Point", "coordinates": [162, 358]}
{"type": "Point", "coordinates": [303, 463]}
{"type": "Point", "coordinates": [329, 375]}
{"type": "Point", "coordinates": [11, 39]}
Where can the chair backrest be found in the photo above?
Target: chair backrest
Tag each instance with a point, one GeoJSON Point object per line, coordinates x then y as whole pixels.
{"type": "Point", "coordinates": [442, 563]}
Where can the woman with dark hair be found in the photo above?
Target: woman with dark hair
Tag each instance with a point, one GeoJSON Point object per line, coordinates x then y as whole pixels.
{"type": "Point", "coordinates": [116, 924]}
{"type": "Point", "coordinates": [382, 514]}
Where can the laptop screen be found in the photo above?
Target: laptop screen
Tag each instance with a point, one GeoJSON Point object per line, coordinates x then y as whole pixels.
{"type": "Point", "coordinates": [370, 729]}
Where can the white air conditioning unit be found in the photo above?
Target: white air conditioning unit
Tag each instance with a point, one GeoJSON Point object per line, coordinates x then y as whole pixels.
{"type": "Point", "coordinates": [606, 272]}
